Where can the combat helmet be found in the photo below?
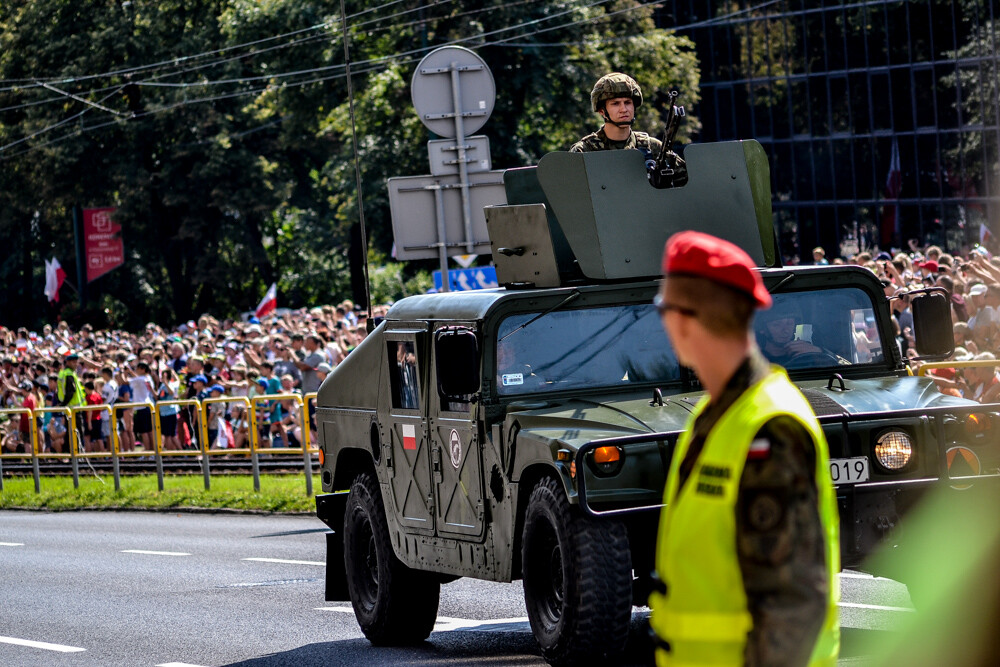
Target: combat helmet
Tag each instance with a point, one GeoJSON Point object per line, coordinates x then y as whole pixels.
{"type": "Point", "coordinates": [615, 85]}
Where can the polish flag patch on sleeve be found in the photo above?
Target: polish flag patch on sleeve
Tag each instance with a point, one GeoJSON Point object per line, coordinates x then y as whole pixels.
{"type": "Point", "coordinates": [760, 449]}
{"type": "Point", "coordinates": [409, 436]}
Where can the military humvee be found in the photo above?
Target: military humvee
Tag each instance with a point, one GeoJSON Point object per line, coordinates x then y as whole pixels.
{"type": "Point", "coordinates": [525, 432]}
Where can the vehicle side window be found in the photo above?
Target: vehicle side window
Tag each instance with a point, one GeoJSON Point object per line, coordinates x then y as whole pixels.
{"type": "Point", "coordinates": [403, 376]}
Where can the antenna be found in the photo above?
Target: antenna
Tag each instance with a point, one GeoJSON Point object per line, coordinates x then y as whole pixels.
{"type": "Point", "coordinates": [357, 168]}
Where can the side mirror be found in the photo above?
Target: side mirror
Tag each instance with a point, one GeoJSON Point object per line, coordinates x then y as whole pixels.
{"type": "Point", "coordinates": [456, 353]}
{"type": "Point", "coordinates": [932, 325]}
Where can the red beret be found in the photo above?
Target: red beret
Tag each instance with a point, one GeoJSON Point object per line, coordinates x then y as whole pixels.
{"type": "Point", "coordinates": [704, 256]}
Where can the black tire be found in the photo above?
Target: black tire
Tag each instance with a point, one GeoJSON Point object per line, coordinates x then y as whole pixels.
{"type": "Point", "coordinates": [394, 604]}
{"type": "Point", "coordinates": [577, 580]}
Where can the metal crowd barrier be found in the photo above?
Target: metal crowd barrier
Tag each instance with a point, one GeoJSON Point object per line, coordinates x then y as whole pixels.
{"type": "Point", "coordinates": [303, 448]}
{"type": "Point", "coordinates": [23, 455]}
{"type": "Point", "coordinates": [204, 451]}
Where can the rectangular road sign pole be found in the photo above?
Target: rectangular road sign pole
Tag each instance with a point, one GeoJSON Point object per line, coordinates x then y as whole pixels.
{"type": "Point", "coordinates": [463, 167]}
{"type": "Point", "coordinates": [442, 236]}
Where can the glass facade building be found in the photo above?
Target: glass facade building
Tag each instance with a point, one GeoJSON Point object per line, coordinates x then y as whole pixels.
{"type": "Point", "coordinates": [881, 119]}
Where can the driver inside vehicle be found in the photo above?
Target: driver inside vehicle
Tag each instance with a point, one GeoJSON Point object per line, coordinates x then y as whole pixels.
{"type": "Point", "coordinates": [776, 334]}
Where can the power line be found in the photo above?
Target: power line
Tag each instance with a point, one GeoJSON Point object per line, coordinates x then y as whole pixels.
{"type": "Point", "coordinates": [379, 63]}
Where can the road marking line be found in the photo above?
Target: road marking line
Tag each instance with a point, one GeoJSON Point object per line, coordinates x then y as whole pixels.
{"type": "Point", "coordinates": [43, 645]}
{"type": "Point", "coordinates": [448, 624]}
{"type": "Point", "coordinates": [856, 605]}
{"type": "Point", "coordinates": [177, 664]}
{"type": "Point", "coordinates": [11, 544]}
{"type": "Point", "coordinates": [349, 610]}
{"type": "Point", "coordinates": [445, 624]}
{"type": "Point", "coordinates": [154, 553]}
{"type": "Point", "coordinates": [290, 562]}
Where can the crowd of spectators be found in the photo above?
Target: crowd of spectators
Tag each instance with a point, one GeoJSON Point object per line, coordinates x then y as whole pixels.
{"type": "Point", "coordinates": [281, 354]}
{"type": "Point", "coordinates": [292, 353]}
{"type": "Point", "coordinates": [972, 282]}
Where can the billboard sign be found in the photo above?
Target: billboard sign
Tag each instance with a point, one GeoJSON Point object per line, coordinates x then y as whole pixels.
{"type": "Point", "coordinates": [102, 242]}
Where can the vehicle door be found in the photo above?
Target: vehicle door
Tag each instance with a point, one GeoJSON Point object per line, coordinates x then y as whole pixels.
{"type": "Point", "coordinates": [456, 457]}
{"type": "Point", "coordinates": [410, 490]}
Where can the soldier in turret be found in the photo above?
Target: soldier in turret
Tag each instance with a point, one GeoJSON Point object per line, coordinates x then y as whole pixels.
{"type": "Point", "coordinates": [616, 97]}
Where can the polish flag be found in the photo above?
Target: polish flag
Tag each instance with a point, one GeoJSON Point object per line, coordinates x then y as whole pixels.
{"type": "Point", "coordinates": [985, 235]}
{"type": "Point", "coordinates": [409, 436]}
{"type": "Point", "coordinates": [269, 302]}
{"type": "Point", "coordinates": [54, 278]}
{"type": "Point", "coordinates": [893, 189]}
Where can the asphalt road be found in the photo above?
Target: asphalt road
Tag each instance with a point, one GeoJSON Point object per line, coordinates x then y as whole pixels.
{"type": "Point", "coordinates": [143, 589]}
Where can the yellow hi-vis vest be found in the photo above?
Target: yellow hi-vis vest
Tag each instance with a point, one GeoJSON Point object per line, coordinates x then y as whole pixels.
{"type": "Point", "coordinates": [703, 614]}
{"type": "Point", "coordinates": [78, 398]}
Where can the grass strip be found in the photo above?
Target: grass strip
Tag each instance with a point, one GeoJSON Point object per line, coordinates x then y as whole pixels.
{"type": "Point", "coordinates": [278, 493]}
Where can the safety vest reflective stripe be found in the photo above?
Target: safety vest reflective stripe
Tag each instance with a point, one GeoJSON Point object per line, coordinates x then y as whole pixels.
{"type": "Point", "coordinates": [705, 627]}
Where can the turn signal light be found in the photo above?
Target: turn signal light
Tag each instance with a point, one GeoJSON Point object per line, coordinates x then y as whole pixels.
{"type": "Point", "coordinates": [606, 455]}
{"type": "Point", "coordinates": [977, 423]}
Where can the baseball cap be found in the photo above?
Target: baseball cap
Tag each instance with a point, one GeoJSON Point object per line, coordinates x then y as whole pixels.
{"type": "Point", "coordinates": [217, 387]}
{"type": "Point", "coordinates": [262, 382]}
{"type": "Point", "coordinates": [700, 255]}
{"type": "Point", "coordinates": [930, 265]}
{"type": "Point", "coordinates": [978, 289]}
{"type": "Point", "coordinates": [199, 378]}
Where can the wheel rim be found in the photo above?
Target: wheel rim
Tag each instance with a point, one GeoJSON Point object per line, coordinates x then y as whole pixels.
{"type": "Point", "coordinates": [548, 581]}
{"type": "Point", "coordinates": [365, 555]}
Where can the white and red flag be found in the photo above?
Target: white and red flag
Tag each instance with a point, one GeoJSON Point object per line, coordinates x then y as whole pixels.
{"type": "Point", "coordinates": [893, 188]}
{"type": "Point", "coordinates": [409, 436]}
{"type": "Point", "coordinates": [985, 235]}
{"type": "Point", "coordinates": [54, 278]}
{"type": "Point", "coordinates": [269, 302]}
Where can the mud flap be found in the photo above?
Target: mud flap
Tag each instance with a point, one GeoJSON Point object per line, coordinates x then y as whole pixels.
{"type": "Point", "coordinates": [330, 509]}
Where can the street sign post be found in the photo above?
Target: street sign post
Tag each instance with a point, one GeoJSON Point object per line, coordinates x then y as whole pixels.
{"type": "Point", "coordinates": [453, 92]}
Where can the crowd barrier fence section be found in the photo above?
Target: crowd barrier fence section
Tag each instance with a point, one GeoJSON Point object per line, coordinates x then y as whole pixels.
{"type": "Point", "coordinates": [257, 410]}
{"type": "Point", "coordinates": [272, 402]}
{"type": "Point", "coordinates": [972, 363]}
{"type": "Point", "coordinates": [23, 455]}
{"type": "Point", "coordinates": [206, 443]}
{"type": "Point", "coordinates": [193, 412]}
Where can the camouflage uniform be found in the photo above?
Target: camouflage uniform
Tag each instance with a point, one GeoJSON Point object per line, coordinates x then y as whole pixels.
{"type": "Point", "coordinates": [779, 535]}
{"type": "Point", "coordinates": [598, 141]}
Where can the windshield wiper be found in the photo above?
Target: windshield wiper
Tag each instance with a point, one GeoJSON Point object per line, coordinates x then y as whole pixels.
{"type": "Point", "coordinates": [539, 316]}
{"type": "Point", "coordinates": [781, 283]}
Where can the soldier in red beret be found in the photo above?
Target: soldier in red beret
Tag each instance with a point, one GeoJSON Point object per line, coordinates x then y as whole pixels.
{"type": "Point", "coordinates": [748, 545]}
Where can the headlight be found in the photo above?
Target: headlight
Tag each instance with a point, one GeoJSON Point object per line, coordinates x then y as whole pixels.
{"type": "Point", "coordinates": [893, 449]}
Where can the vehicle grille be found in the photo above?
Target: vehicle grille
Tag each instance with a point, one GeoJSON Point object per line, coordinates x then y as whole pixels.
{"type": "Point", "coordinates": [822, 405]}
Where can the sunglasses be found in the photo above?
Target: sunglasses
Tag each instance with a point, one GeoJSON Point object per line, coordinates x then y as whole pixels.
{"type": "Point", "coordinates": [662, 307]}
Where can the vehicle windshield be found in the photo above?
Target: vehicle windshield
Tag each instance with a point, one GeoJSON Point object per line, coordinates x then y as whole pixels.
{"type": "Point", "coordinates": [614, 346]}
{"type": "Point", "coordinates": [584, 348]}
{"type": "Point", "coordinates": [820, 329]}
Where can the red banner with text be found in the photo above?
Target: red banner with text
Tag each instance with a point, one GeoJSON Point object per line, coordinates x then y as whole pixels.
{"type": "Point", "coordinates": [102, 242]}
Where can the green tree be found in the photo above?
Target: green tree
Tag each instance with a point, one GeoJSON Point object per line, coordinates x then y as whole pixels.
{"type": "Point", "coordinates": [220, 130]}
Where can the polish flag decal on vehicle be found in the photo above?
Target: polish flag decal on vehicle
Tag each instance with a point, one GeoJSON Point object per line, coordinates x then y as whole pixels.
{"type": "Point", "coordinates": [409, 436]}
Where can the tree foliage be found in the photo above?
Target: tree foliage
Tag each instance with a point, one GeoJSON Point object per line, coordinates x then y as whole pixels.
{"type": "Point", "coordinates": [221, 131]}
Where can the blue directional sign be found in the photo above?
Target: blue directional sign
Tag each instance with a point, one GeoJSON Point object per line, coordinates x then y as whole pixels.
{"type": "Point", "coordinates": [478, 277]}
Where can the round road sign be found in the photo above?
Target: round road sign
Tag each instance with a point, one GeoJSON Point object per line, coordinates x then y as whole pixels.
{"type": "Point", "coordinates": [431, 90]}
